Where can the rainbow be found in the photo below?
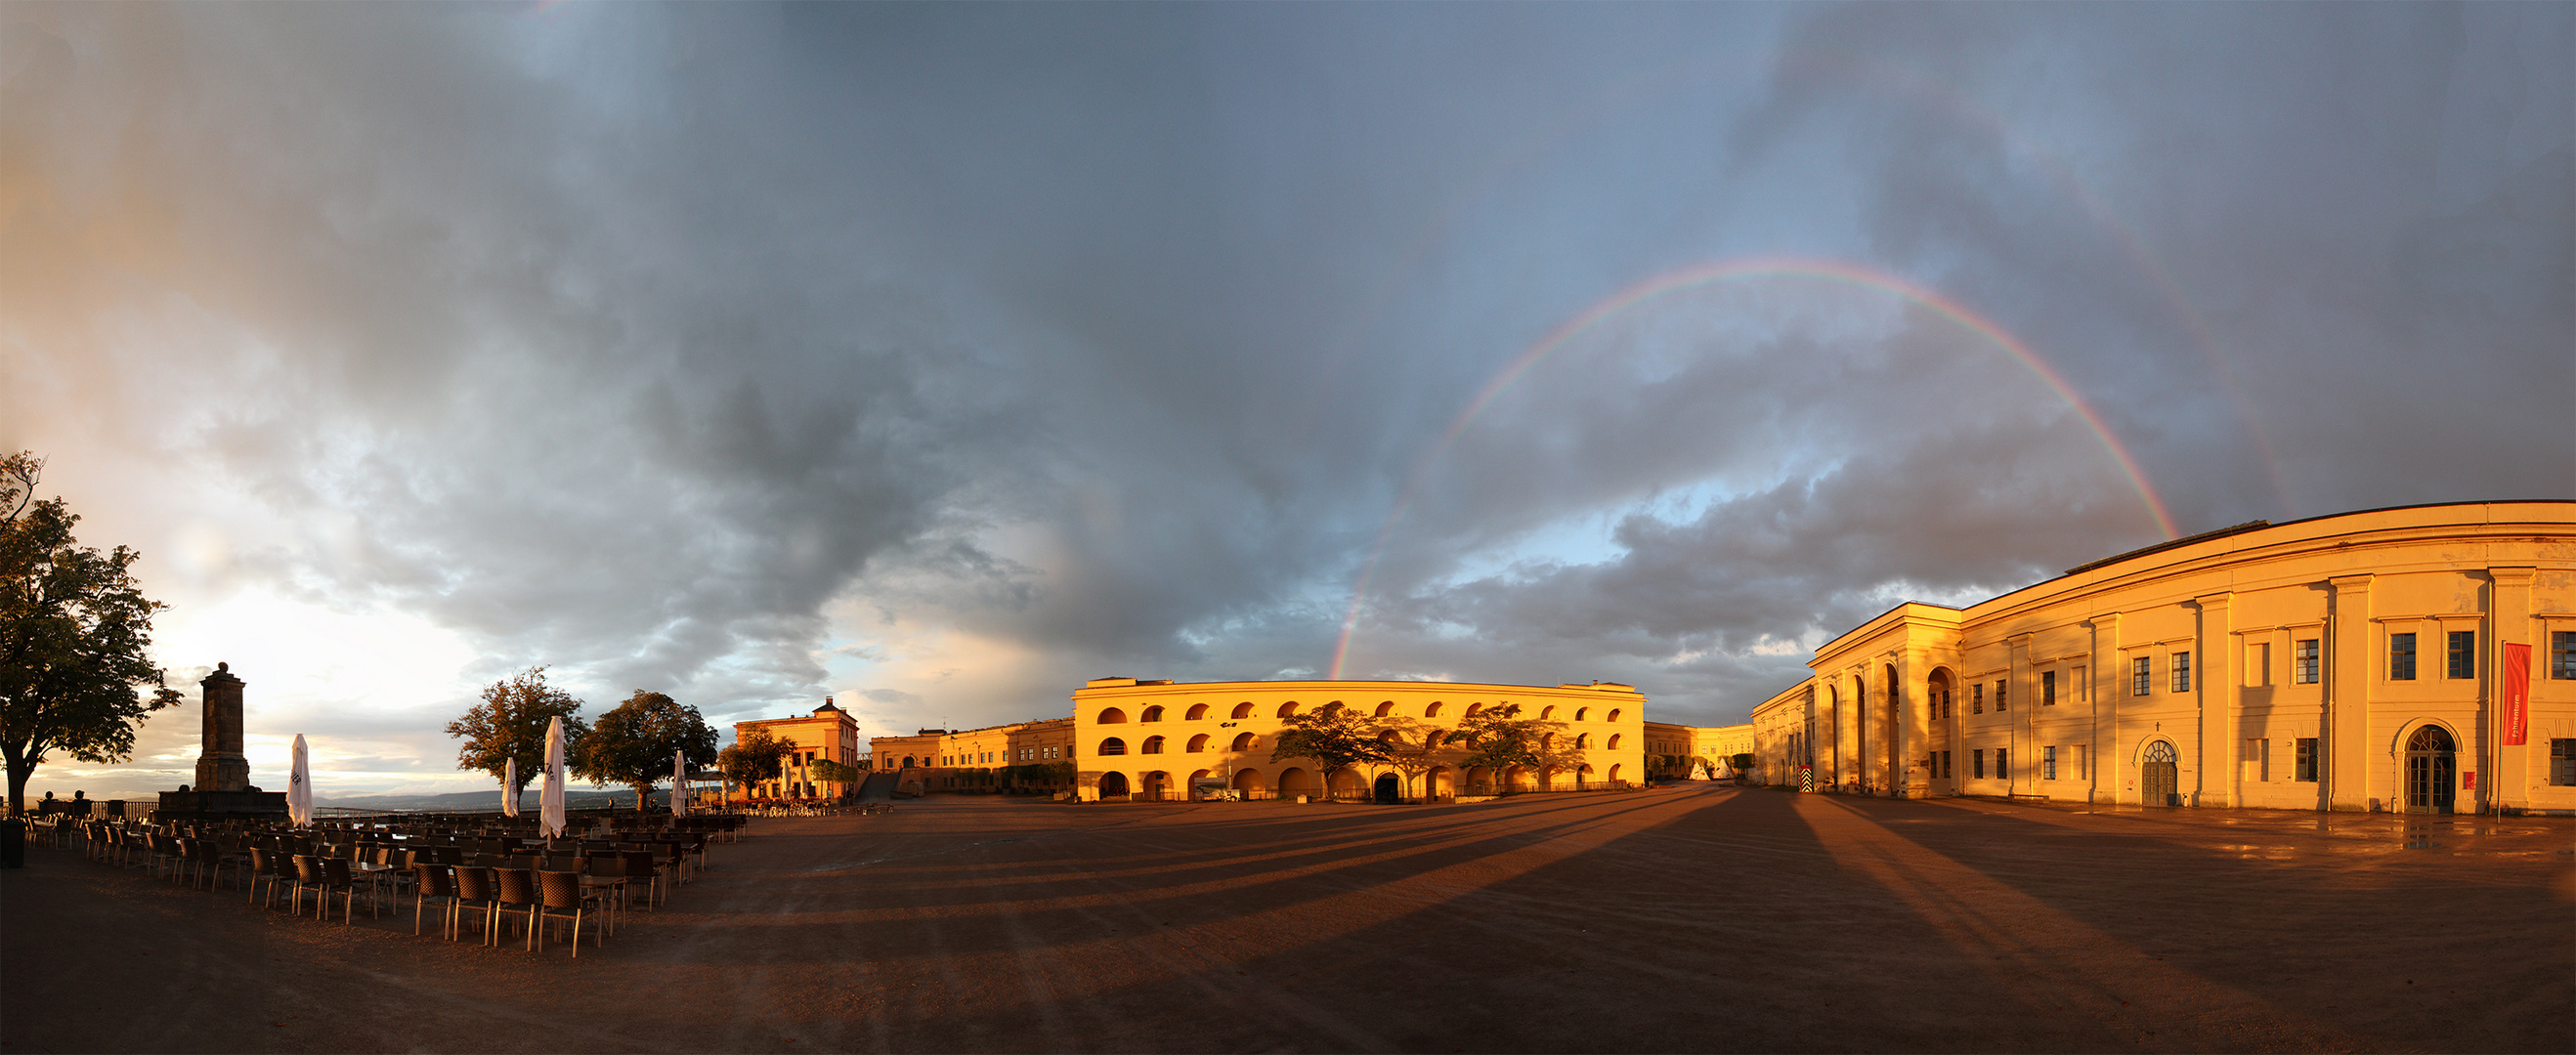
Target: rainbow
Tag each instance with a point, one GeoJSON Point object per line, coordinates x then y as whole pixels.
{"type": "Point", "coordinates": [1670, 282]}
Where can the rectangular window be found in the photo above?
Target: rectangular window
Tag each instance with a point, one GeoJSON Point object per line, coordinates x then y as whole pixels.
{"type": "Point", "coordinates": [1945, 765]}
{"type": "Point", "coordinates": [2048, 688]}
{"type": "Point", "coordinates": [2142, 676]}
{"type": "Point", "coordinates": [2182, 672]}
{"type": "Point", "coordinates": [2307, 760]}
{"type": "Point", "coordinates": [2306, 658]}
{"type": "Point", "coordinates": [2464, 653]}
{"type": "Point", "coordinates": [2048, 762]}
{"type": "Point", "coordinates": [2562, 761]}
{"type": "Point", "coordinates": [1999, 695]}
{"type": "Point", "coordinates": [1977, 698]}
{"type": "Point", "coordinates": [2562, 655]}
{"type": "Point", "coordinates": [2401, 657]}
{"type": "Point", "coordinates": [2002, 771]}
{"type": "Point", "coordinates": [1977, 763]}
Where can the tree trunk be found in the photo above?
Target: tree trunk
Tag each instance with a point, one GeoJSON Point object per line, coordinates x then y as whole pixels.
{"type": "Point", "coordinates": [18, 775]}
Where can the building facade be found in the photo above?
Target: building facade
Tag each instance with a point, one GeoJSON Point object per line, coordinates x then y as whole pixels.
{"type": "Point", "coordinates": [1695, 752]}
{"type": "Point", "coordinates": [828, 734]}
{"type": "Point", "coordinates": [1019, 756]}
{"type": "Point", "coordinates": [2421, 658]}
{"type": "Point", "coordinates": [1160, 740]}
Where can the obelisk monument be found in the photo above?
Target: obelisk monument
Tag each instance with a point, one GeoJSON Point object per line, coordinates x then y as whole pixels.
{"type": "Point", "coordinates": [221, 765]}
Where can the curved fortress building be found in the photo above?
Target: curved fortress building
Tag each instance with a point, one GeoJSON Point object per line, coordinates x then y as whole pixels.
{"type": "Point", "coordinates": [2419, 659]}
{"type": "Point", "coordinates": [1165, 740]}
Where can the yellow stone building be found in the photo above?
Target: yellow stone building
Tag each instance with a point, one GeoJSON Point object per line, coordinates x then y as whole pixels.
{"type": "Point", "coordinates": [2420, 659]}
{"type": "Point", "coordinates": [1018, 756]}
{"type": "Point", "coordinates": [827, 734]}
{"type": "Point", "coordinates": [1689, 752]}
{"type": "Point", "coordinates": [1160, 740]}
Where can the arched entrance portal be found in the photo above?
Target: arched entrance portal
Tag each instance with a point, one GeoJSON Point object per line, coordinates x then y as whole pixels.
{"type": "Point", "coordinates": [1294, 782]}
{"type": "Point", "coordinates": [1389, 790]}
{"type": "Point", "coordinates": [1113, 785]}
{"type": "Point", "coordinates": [2159, 780]}
{"type": "Point", "coordinates": [2432, 770]}
{"type": "Point", "coordinates": [1157, 786]}
{"type": "Point", "coordinates": [1440, 783]}
{"type": "Point", "coordinates": [1248, 783]}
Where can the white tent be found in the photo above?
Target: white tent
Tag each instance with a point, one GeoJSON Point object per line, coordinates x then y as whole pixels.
{"type": "Point", "coordinates": [679, 784]}
{"type": "Point", "coordinates": [299, 787]}
{"type": "Point", "coordinates": [510, 787]}
{"type": "Point", "coordinates": [550, 802]}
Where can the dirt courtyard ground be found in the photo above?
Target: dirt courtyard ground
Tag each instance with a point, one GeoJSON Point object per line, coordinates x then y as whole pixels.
{"type": "Point", "coordinates": [1683, 919]}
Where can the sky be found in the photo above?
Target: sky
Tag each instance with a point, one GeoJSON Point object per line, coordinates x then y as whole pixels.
{"type": "Point", "coordinates": [937, 358]}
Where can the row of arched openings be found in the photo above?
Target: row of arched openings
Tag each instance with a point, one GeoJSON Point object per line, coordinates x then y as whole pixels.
{"type": "Point", "coordinates": [1205, 712]}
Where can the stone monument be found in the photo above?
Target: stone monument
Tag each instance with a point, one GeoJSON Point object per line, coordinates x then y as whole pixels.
{"type": "Point", "coordinates": [220, 764]}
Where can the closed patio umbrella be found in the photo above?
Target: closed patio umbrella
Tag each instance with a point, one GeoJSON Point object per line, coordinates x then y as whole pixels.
{"type": "Point", "coordinates": [550, 803]}
{"type": "Point", "coordinates": [299, 787]}
{"type": "Point", "coordinates": [510, 787]}
{"type": "Point", "coordinates": [679, 784]}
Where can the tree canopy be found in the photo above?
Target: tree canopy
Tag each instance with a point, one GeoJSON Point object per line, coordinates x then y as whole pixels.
{"type": "Point", "coordinates": [633, 744]}
{"type": "Point", "coordinates": [756, 757]}
{"type": "Point", "coordinates": [510, 723]}
{"type": "Point", "coordinates": [74, 632]}
{"type": "Point", "coordinates": [1335, 737]}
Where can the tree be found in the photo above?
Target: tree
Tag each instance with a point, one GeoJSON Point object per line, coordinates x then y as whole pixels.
{"type": "Point", "coordinates": [756, 757]}
{"type": "Point", "coordinates": [1335, 737]}
{"type": "Point", "coordinates": [1412, 748]}
{"type": "Point", "coordinates": [831, 771]}
{"type": "Point", "coordinates": [510, 724]}
{"type": "Point", "coordinates": [1498, 738]}
{"type": "Point", "coordinates": [633, 744]}
{"type": "Point", "coordinates": [74, 629]}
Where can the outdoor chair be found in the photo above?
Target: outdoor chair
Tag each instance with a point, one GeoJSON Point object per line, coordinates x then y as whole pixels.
{"type": "Point", "coordinates": [639, 866]}
{"type": "Point", "coordinates": [197, 858]}
{"type": "Point", "coordinates": [476, 888]}
{"type": "Point", "coordinates": [165, 850]}
{"type": "Point", "coordinates": [609, 866]}
{"type": "Point", "coordinates": [265, 866]}
{"type": "Point", "coordinates": [559, 893]}
{"type": "Point", "coordinates": [335, 878]}
{"type": "Point", "coordinates": [519, 890]}
{"type": "Point", "coordinates": [433, 883]}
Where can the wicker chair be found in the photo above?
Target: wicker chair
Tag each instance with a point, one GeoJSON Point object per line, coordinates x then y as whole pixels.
{"type": "Point", "coordinates": [640, 866]}
{"type": "Point", "coordinates": [266, 866]}
{"type": "Point", "coordinates": [559, 893]}
{"type": "Point", "coordinates": [434, 882]}
{"type": "Point", "coordinates": [519, 889]}
{"type": "Point", "coordinates": [477, 888]}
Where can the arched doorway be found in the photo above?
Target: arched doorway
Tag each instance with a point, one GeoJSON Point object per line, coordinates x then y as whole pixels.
{"type": "Point", "coordinates": [1248, 782]}
{"type": "Point", "coordinates": [1516, 778]}
{"type": "Point", "coordinates": [1157, 786]}
{"type": "Point", "coordinates": [1113, 785]}
{"type": "Point", "coordinates": [1389, 790]}
{"type": "Point", "coordinates": [2159, 778]}
{"type": "Point", "coordinates": [1480, 780]}
{"type": "Point", "coordinates": [1440, 783]}
{"type": "Point", "coordinates": [2432, 770]}
{"type": "Point", "coordinates": [1347, 785]}
{"type": "Point", "coordinates": [1294, 782]}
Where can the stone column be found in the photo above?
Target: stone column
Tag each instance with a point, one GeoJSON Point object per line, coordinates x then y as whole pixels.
{"type": "Point", "coordinates": [220, 763]}
{"type": "Point", "coordinates": [2023, 723]}
{"type": "Point", "coordinates": [2107, 755]}
{"type": "Point", "coordinates": [2214, 688]}
{"type": "Point", "coordinates": [2504, 773]}
{"type": "Point", "coordinates": [2347, 692]}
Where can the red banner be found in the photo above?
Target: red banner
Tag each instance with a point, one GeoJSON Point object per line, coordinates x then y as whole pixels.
{"type": "Point", "coordinates": [2517, 694]}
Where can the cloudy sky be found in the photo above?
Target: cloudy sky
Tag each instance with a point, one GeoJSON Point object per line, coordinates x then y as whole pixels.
{"type": "Point", "coordinates": [936, 358]}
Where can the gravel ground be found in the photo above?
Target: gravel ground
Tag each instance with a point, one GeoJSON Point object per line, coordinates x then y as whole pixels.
{"type": "Point", "coordinates": [1692, 918]}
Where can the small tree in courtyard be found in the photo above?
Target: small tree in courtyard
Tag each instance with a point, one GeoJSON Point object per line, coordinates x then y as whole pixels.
{"type": "Point", "coordinates": [756, 757]}
{"type": "Point", "coordinates": [510, 724]}
{"type": "Point", "coordinates": [633, 744]}
{"type": "Point", "coordinates": [1335, 737]}
{"type": "Point", "coordinates": [1412, 749]}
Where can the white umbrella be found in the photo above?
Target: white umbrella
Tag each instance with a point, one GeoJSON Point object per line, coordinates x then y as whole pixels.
{"type": "Point", "coordinates": [550, 803]}
{"type": "Point", "coordinates": [510, 787]}
{"type": "Point", "coordinates": [299, 787]}
{"type": "Point", "coordinates": [679, 784]}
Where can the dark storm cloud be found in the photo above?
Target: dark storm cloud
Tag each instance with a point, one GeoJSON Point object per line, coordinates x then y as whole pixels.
{"type": "Point", "coordinates": [644, 340]}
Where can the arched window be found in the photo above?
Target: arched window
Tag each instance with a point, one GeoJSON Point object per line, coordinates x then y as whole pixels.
{"type": "Point", "coordinates": [1475, 709]}
{"type": "Point", "coordinates": [1547, 741]}
{"type": "Point", "coordinates": [1389, 737]}
{"type": "Point", "coordinates": [1614, 742]}
{"type": "Point", "coordinates": [1198, 743]}
{"type": "Point", "coordinates": [1547, 712]}
{"type": "Point", "coordinates": [1582, 741]}
{"type": "Point", "coordinates": [1198, 711]}
{"type": "Point", "coordinates": [1432, 711]}
{"type": "Point", "coordinates": [1614, 715]}
{"type": "Point", "coordinates": [1243, 710]}
{"type": "Point", "coordinates": [1153, 745]}
{"type": "Point", "coordinates": [1112, 716]}
{"type": "Point", "coordinates": [1244, 741]}
{"type": "Point", "coordinates": [1113, 746]}
{"type": "Point", "coordinates": [1580, 712]}
{"type": "Point", "coordinates": [1287, 708]}
{"type": "Point", "coordinates": [1152, 714]}
{"type": "Point", "coordinates": [1386, 708]}
{"type": "Point", "coordinates": [1434, 738]}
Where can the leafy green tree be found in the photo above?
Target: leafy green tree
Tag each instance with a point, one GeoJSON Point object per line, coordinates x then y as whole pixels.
{"type": "Point", "coordinates": [74, 630]}
{"type": "Point", "coordinates": [510, 724]}
{"type": "Point", "coordinates": [1497, 739]}
{"type": "Point", "coordinates": [830, 771]}
{"type": "Point", "coordinates": [1412, 748]}
{"type": "Point", "coordinates": [633, 743]}
{"type": "Point", "coordinates": [756, 757]}
{"type": "Point", "coordinates": [1336, 738]}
